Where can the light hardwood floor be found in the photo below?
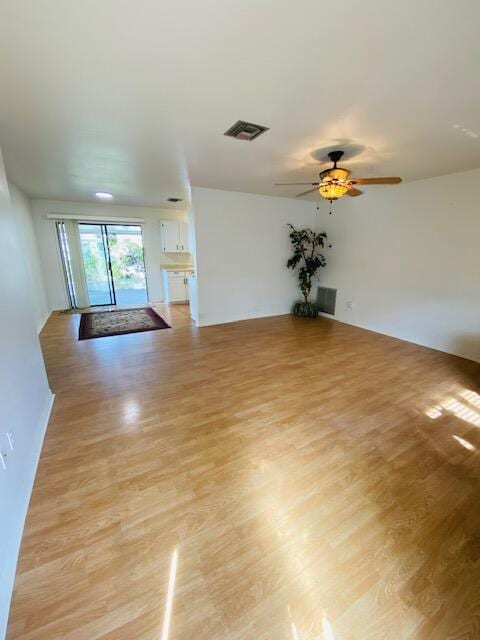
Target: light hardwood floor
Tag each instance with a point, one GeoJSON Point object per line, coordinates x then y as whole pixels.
{"type": "Point", "coordinates": [274, 479]}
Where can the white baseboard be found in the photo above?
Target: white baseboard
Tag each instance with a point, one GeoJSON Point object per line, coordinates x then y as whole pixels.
{"type": "Point", "coordinates": [43, 322]}
{"type": "Point", "coordinates": [460, 353]}
{"type": "Point", "coordinates": [47, 412]}
{"type": "Point", "coordinates": [207, 320]}
{"type": "Point", "coordinates": [11, 553]}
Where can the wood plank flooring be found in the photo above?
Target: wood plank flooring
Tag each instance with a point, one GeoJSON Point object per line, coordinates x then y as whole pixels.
{"type": "Point", "coordinates": [274, 479]}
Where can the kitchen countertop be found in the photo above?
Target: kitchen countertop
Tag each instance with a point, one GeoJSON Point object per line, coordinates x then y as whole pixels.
{"type": "Point", "coordinates": [177, 268]}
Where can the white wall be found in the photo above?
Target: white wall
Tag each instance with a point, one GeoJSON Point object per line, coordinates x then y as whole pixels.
{"type": "Point", "coordinates": [26, 227]}
{"type": "Point", "coordinates": [24, 392]}
{"type": "Point", "coordinates": [242, 246]}
{"type": "Point", "coordinates": [192, 279]}
{"type": "Point", "coordinates": [408, 258]}
{"type": "Point", "coordinates": [50, 256]}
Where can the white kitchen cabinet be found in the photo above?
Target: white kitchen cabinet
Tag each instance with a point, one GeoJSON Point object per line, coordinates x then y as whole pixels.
{"type": "Point", "coordinates": [174, 236]}
{"type": "Point", "coordinates": [183, 236]}
{"type": "Point", "coordinates": [170, 236]}
{"type": "Point", "coordinates": [175, 286]}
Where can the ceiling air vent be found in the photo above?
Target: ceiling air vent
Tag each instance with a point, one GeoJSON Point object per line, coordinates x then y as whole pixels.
{"type": "Point", "coordinates": [174, 200]}
{"type": "Point", "coordinates": [245, 130]}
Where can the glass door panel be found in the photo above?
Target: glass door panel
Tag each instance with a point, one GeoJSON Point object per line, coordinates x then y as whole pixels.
{"type": "Point", "coordinates": [127, 264]}
{"type": "Point", "coordinates": [93, 240]}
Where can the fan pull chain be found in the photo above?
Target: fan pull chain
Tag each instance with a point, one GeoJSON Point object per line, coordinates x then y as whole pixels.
{"type": "Point", "coordinates": [331, 207]}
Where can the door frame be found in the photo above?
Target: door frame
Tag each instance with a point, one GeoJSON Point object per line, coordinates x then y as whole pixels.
{"type": "Point", "coordinates": [63, 246]}
{"type": "Point", "coordinates": [108, 259]}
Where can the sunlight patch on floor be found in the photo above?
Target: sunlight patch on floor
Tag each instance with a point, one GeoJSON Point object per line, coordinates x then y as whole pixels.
{"type": "Point", "coordinates": [327, 629]}
{"type": "Point", "coordinates": [170, 594]}
{"type": "Point", "coordinates": [465, 443]}
{"type": "Point", "coordinates": [458, 408]}
{"type": "Point", "coordinates": [471, 397]}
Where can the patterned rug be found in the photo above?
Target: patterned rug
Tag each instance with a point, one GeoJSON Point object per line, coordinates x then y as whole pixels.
{"type": "Point", "coordinates": [115, 323]}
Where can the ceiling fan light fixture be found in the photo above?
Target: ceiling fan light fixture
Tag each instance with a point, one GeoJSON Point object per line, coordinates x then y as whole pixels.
{"type": "Point", "coordinates": [332, 190]}
{"type": "Point", "coordinates": [337, 173]}
{"type": "Point", "coordinates": [335, 182]}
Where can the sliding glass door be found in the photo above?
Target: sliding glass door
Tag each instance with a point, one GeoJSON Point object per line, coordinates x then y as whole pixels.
{"type": "Point", "coordinates": [96, 262]}
{"type": "Point", "coordinates": [125, 248]}
{"type": "Point", "coordinates": [113, 263]}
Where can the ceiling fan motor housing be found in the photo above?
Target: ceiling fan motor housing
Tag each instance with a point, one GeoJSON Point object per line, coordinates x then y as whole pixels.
{"type": "Point", "coordinates": [336, 174]}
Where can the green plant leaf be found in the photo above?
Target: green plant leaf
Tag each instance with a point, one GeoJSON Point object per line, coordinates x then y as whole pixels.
{"type": "Point", "coordinates": [306, 245]}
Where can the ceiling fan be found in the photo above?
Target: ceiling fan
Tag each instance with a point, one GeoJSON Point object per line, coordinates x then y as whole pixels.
{"type": "Point", "coordinates": [335, 183]}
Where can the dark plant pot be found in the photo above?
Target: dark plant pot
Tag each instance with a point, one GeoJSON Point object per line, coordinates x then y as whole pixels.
{"type": "Point", "coordinates": [306, 309]}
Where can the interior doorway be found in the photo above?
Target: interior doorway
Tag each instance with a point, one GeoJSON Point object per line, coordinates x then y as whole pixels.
{"type": "Point", "coordinates": [114, 263]}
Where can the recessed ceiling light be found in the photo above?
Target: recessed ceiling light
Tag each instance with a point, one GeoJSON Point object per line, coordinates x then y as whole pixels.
{"type": "Point", "coordinates": [103, 195]}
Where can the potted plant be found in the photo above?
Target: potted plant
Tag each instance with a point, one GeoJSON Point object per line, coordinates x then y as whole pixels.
{"type": "Point", "coordinates": [306, 245]}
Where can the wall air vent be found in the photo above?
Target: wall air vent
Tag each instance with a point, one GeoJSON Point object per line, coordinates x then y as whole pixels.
{"type": "Point", "coordinates": [245, 130]}
{"type": "Point", "coordinates": [326, 299]}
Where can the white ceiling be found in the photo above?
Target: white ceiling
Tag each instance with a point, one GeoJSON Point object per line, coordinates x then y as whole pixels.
{"type": "Point", "coordinates": [133, 96]}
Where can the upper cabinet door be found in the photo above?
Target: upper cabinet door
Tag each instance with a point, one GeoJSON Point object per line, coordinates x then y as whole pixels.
{"type": "Point", "coordinates": [170, 237]}
{"type": "Point", "coordinates": [183, 237]}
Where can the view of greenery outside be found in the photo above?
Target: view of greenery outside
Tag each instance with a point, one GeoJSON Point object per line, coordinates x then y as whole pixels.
{"type": "Point", "coordinates": [128, 271]}
{"type": "Point", "coordinates": [126, 258]}
{"type": "Point", "coordinates": [127, 262]}
{"type": "Point", "coordinates": [93, 259]}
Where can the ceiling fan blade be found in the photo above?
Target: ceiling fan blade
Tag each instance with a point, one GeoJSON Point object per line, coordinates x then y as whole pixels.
{"type": "Point", "coordinates": [376, 180]}
{"type": "Point", "coordinates": [304, 193]}
{"type": "Point", "coordinates": [284, 184]}
{"type": "Point", "coordinates": [354, 192]}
